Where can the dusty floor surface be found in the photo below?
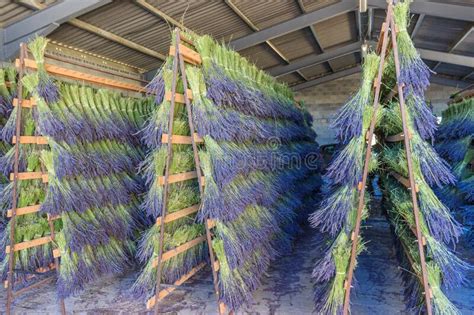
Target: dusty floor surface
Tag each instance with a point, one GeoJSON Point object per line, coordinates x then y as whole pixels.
{"type": "Point", "coordinates": [286, 288]}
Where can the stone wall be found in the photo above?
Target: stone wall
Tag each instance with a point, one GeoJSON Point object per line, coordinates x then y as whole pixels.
{"type": "Point", "coordinates": [324, 100]}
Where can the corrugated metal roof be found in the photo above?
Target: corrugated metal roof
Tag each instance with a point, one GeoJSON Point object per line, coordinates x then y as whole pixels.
{"type": "Point", "coordinates": [336, 31]}
{"type": "Point", "coordinates": [291, 78]}
{"type": "Point", "coordinates": [10, 11]}
{"type": "Point", "coordinates": [130, 21]}
{"type": "Point", "coordinates": [439, 33]}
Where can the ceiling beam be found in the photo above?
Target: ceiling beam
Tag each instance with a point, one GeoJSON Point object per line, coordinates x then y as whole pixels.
{"type": "Point", "coordinates": [442, 80]}
{"type": "Point", "coordinates": [43, 23]}
{"type": "Point", "coordinates": [456, 44]}
{"type": "Point", "coordinates": [295, 24]}
{"type": "Point", "coordinates": [438, 9]}
{"type": "Point", "coordinates": [312, 60]}
{"type": "Point", "coordinates": [99, 32]}
{"type": "Point", "coordinates": [450, 58]}
{"type": "Point", "coordinates": [254, 27]}
{"type": "Point", "coordinates": [315, 36]}
{"type": "Point", "coordinates": [419, 21]}
{"type": "Point", "coordinates": [327, 78]}
{"type": "Point", "coordinates": [168, 19]}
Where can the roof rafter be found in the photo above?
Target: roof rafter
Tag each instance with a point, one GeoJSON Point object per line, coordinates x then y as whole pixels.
{"type": "Point", "coordinates": [250, 24]}
{"type": "Point", "coordinates": [295, 24]}
{"type": "Point", "coordinates": [100, 32]}
{"type": "Point", "coordinates": [44, 22]}
{"type": "Point", "coordinates": [450, 58]}
{"type": "Point", "coordinates": [457, 43]}
{"type": "Point", "coordinates": [315, 36]}
{"type": "Point", "coordinates": [313, 60]}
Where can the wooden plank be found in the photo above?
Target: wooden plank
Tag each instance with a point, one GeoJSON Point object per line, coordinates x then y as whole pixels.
{"type": "Point", "coordinates": [216, 265]}
{"type": "Point", "coordinates": [165, 292]}
{"type": "Point", "coordinates": [382, 31]}
{"type": "Point", "coordinates": [178, 97]}
{"type": "Point", "coordinates": [189, 55]}
{"type": "Point", "coordinates": [31, 140]}
{"type": "Point", "coordinates": [27, 175]}
{"type": "Point", "coordinates": [397, 138]}
{"type": "Point", "coordinates": [33, 286]}
{"type": "Point", "coordinates": [73, 74]}
{"type": "Point", "coordinates": [180, 249]}
{"type": "Point", "coordinates": [24, 210]}
{"type": "Point", "coordinates": [28, 244]}
{"type": "Point", "coordinates": [211, 223]}
{"type": "Point", "coordinates": [54, 217]}
{"type": "Point", "coordinates": [27, 103]}
{"type": "Point", "coordinates": [44, 178]}
{"type": "Point", "coordinates": [56, 253]}
{"type": "Point", "coordinates": [178, 178]}
{"type": "Point", "coordinates": [176, 139]}
{"type": "Point", "coordinates": [179, 214]}
{"type": "Point", "coordinates": [404, 181]}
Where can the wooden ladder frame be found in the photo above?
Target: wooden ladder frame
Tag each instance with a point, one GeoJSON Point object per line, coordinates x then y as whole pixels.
{"type": "Point", "coordinates": [17, 140]}
{"type": "Point", "coordinates": [182, 54]}
{"type": "Point", "coordinates": [382, 47]}
{"type": "Point", "coordinates": [22, 64]}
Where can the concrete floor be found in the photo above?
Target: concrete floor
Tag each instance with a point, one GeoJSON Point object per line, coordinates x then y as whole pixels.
{"type": "Point", "coordinates": [286, 289]}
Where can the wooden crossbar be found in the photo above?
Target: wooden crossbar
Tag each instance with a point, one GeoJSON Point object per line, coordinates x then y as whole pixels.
{"type": "Point", "coordinates": [397, 138]}
{"type": "Point", "coordinates": [176, 139]}
{"type": "Point", "coordinates": [179, 214]}
{"type": "Point", "coordinates": [31, 140]}
{"type": "Point", "coordinates": [211, 224]}
{"type": "Point", "coordinates": [180, 249]}
{"type": "Point", "coordinates": [28, 244]}
{"type": "Point", "coordinates": [24, 210]}
{"type": "Point", "coordinates": [178, 178]}
{"type": "Point", "coordinates": [73, 74]}
{"type": "Point", "coordinates": [29, 175]}
{"type": "Point", "coordinates": [404, 181]}
{"type": "Point", "coordinates": [27, 103]}
{"type": "Point", "coordinates": [189, 55]}
{"type": "Point", "coordinates": [178, 97]}
{"type": "Point", "coordinates": [165, 292]}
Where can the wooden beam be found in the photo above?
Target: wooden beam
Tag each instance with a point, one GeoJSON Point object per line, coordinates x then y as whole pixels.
{"type": "Point", "coordinates": [27, 175]}
{"type": "Point", "coordinates": [176, 139]}
{"type": "Point", "coordinates": [180, 249]}
{"type": "Point", "coordinates": [165, 292]}
{"type": "Point", "coordinates": [31, 140]}
{"type": "Point", "coordinates": [189, 55]}
{"type": "Point", "coordinates": [179, 214]}
{"type": "Point", "coordinates": [102, 33]}
{"type": "Point", "coordinates": [28, 244]}
{"type": "Point", "coordinates": [404, 181]}
{"type": "Point", "coordinates": [24, 210]}
{"type": "Point", "coordinates": [56, 70]}
{"type": "Point", "coordinates": [150, 8]}
{"type": "Point", "coordinates": [27, 103]}
{"type": "Point", "coordinates": [178, 177]}
{"type": "Point", "coordinates": [178, 97]}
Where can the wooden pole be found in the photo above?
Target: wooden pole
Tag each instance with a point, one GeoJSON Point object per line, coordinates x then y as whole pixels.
{"type": "Point", "coordinates": [200, 178]}
{"type": "Point", "coordinates": [368, 154]}
{"type": "Point", "coordinates": [167, 173]}
{"type": "Point", "coordinates": [411, 175]}
{"type": "Point", "coordinates": [11, 257]}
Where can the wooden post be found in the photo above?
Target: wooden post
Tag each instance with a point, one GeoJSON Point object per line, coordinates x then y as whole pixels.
{"type": "Point", "coordinates": [368, 154]}
{"type": "Point", "coordinates": [167, 174]}
{"type": "Point", "coordinates": [11, 257]}
{"type": "Point", "coordinates": [197, 162]}
{"type": "Point", "coordinates": [411, 175]}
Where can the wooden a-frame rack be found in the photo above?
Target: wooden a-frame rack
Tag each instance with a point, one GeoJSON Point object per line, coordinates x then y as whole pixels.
{"type": "Point", "coordinates": [22, 64]}
{"type": "Point", "coordinates": [182, 54]}
{"type": "Point", "coordinates": [389, 26]}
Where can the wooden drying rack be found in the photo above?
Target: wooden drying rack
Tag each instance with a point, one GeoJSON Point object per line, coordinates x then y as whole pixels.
{"type": "Point", "coordinates": [382, 47]}
{"type": "Point", "coordinates": [181, 54]}
{"type": "Point", "coordinates": [23, 64]}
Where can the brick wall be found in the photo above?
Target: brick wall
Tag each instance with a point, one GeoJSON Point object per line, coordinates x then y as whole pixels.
{"type": "Point", "coordinates": [324, 100]}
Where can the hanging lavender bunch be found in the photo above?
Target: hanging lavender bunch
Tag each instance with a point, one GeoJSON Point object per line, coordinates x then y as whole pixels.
{"type": "Point", "coordinates": [414, 72]}
{"type": "Point", "coordinates": [349, 119]}
{"type": "Point", "coordinates": [46, 88]}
